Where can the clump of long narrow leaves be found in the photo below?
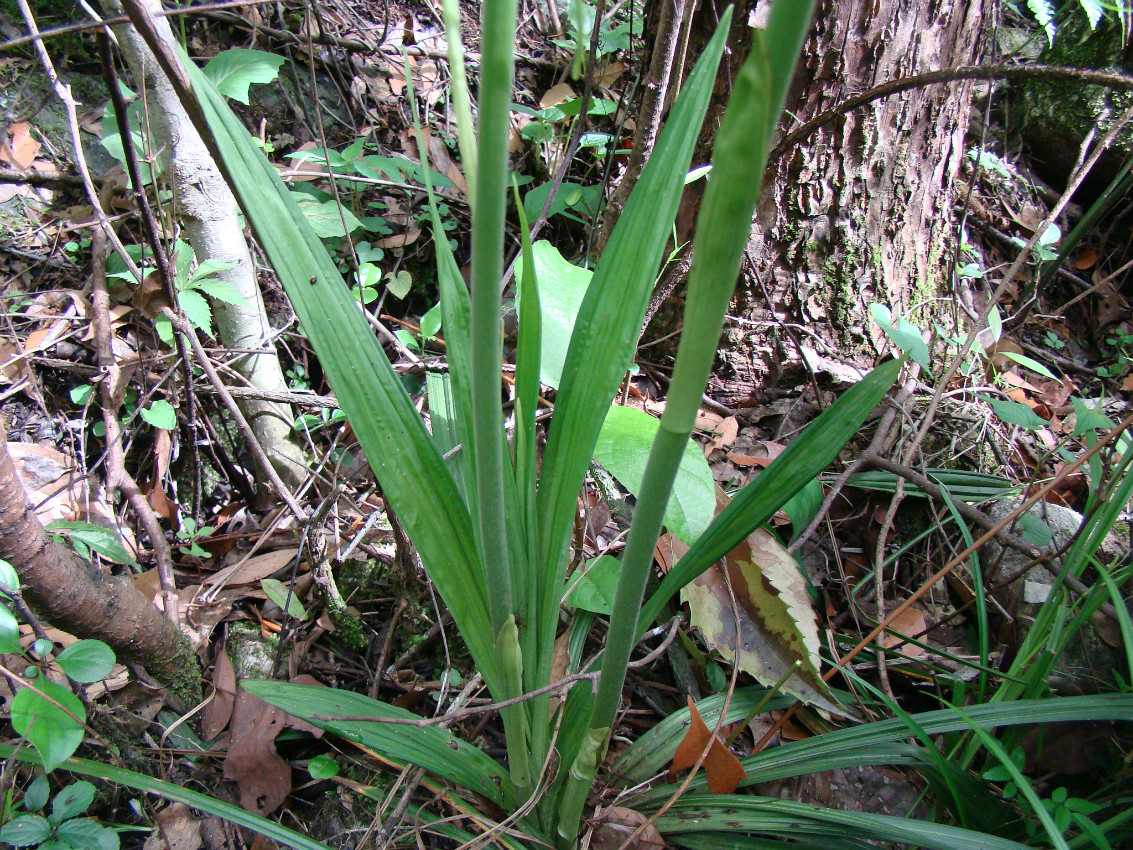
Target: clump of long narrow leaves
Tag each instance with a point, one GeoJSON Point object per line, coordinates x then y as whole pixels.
{"type": "Point", "coordinates": [495, 541]}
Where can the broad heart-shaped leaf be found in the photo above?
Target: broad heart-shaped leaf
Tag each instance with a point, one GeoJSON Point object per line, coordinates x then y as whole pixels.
{"type": "Point", "coordinates": [623, 448]}
{"type": "Point", "coordinates": [86, 660]}
{"type": "Point", "coordinates": [160, 414]}
{"type": "Point", "coordinates": [594, 589]}
{"type": "Point", "coordinates": [328, 218]}
{"type": "Point", "coordinates": [431, 747]}
{"type": "Point", "coordinates": [561, 287]}
{"type": "Point", "coordinates": [54, 734]}
{"type": "Point", "coordinates": [236, 68]}
{"type": "Point", "coordinates": [777, 623]}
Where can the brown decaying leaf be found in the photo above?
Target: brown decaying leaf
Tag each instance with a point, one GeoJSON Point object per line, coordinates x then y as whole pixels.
{"type": "Point", "coordinates": [257, 567]}
{"type": "Point", "coordinates": [909, 623]}
{"type": "Point", "coordinates": [777, 622]}
{"type": "Point", "coordinates": [724, 770]}
{"type": "Point", "coordinates": [263, 777]}
{"type": "Point", "coordinates": [1085, 259]}
{"type": "Point", "coordinates": [617, 824]}
{"type": "Point", "coordinates": [21, 150]}
{"type": "Point", "coordinates": [219, 710]}
{"type": "Point", "coordinates": [556, 95]}
{"type": "Point", "coordinates": [177, 828]}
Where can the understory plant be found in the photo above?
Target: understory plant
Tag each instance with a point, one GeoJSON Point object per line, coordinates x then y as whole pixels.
{"type": "Point", "coordinates": [493, 523]}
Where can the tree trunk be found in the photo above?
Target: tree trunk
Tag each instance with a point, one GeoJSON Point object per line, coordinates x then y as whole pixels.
{"type": "Point", "coordinates": [86, 602]}
{"type": "Point", "coordinates": [209, 213]}
{"type": "Point", "coordinates": [861, 211]}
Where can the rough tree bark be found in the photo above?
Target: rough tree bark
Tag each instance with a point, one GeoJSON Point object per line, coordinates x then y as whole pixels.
{"type": "Point", "coordinates": [862, 211]}
{"type": "Point", "coordinates": [75, 596]}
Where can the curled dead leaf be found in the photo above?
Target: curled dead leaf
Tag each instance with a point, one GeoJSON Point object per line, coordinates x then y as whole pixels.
{"type": "Point", "coordinates": [724, 770]}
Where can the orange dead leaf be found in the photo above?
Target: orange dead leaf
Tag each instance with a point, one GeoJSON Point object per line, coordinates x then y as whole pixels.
{"type": "Point", "coordinates": [724, 770]}
{"type": "Point", "coordinates": [1085, 259]}
{"type": "Point", "coordinates": [909, 623]}
{"type": "Point", "coordinates": [21, 150]}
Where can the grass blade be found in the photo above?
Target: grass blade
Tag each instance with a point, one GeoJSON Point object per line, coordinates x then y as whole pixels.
{"type": "Point", "coordinates": [399, 449]}
{"type": "Point", "coordinates": [801, 462]}
{"type": "Point", "coordinates": [430, 747]}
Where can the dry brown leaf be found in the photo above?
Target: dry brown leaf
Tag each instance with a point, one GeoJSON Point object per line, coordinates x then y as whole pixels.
{"type": "Point", "coordinates": [177, 828]}
{"type": "Point", "coordinates": [257, 567]}
{"type": "Point", "coordinates": [777, 623]}
{"type": "Point", "coordinates": [556, 95]}
{"type": "Point", "coordinates": [615, 826]}
{"type": "Point", "coordinates": [909, 623]}
{"type": "Point", "coordinates": [723, 435]}
{"type": "Point", "coordinates": [724, 770]}
{"type": "Point", "coordinates": [219, 710]}
{"type": "Point", "coordinates": [399, 240]}
{"type": "Point", "coordinates": [21, 149]}
{"type": "Point", "coordinates": [261, 774]}
{"type": "Point", "coordinates": [13, 365]}
{"type": "Point", "coordinates": [610, 74]}
{"type": "Point", "coordinates": [1085, 259]}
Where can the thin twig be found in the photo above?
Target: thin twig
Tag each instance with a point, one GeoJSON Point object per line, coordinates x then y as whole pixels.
{"type": "Point", "coordinates": [182, 326]}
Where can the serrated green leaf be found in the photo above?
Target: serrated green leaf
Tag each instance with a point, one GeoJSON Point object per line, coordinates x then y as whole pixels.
{"type": "Point", "coordinates": [86, 660]}
{"type": "Point", "coordinates": [197, 310]}
{"type": "Point", "coordinates": [593, 589]}
{"type": "Point", "coordinates": [222, 291]}
{"type": "Point", "coordinates": [277, 592]}
{"type": "Point", "coordinates": [87, 834]}
{"type": "Point", "coordinates": [164, 329]}
{"type": "Point", "coordinates": [25, 831]}
{"type": "Point", "coordinates": [54, 734]}
{"type": "Point", "coordinates": [160, 414]}
{"type": "Point", "coordinates": [72, 800]}
{"type": "Point", "coordinates": [623, 448]}
{"type": "Point", "coordinates": [234, 70]}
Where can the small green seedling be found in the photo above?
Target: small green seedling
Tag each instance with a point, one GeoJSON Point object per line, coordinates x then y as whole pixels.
{"type": "Point", "coordinates": [60, 828]}
{"type": "Point", "coordinates": [47, 714]}
{"type": "Point", "coordinates": [189, 534]}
